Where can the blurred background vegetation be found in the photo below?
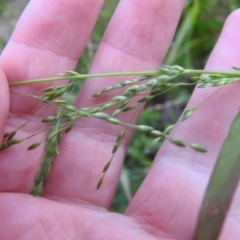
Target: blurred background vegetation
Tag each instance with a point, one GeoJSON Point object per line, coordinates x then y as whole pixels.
{"type": "Point", "coordinates": [198, 30]}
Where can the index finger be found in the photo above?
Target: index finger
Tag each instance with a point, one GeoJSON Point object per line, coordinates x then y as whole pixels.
{"type": "Point", "coordinates": [48, 40]}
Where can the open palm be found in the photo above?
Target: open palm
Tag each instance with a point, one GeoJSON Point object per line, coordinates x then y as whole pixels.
{"type": "Point", "coordinates": [48, 40]}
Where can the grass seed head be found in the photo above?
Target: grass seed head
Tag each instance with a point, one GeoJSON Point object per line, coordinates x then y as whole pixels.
{"type": "Point", "coordinates": [49, 89]}
{"type": "Point", "coordinates": [100, 183]}
{"type": "Point", "coordinates": [114, 121]}
{"type": "Point", "coordinates": [118, 99]}
{"type": "Point", "coordinates": [205, 85]}
{"type": "Point", "coordinates": [69, 128]}
{"type": "Point", "coordinates": [60, 101]}
{"type": "Point", "coordinates": [145, 99]}
{"type": "Point", "coordinates": [236, 68]}
{"type": "Point", "coordinates": [34, 145]}
{"type": "Point", "coordinates": [116, 112]}
{"type": "Point", "coordinates": [121, 135]}
{"type": "Point", "coordinates": [168, 129]}
{"type": "Point", "coordinates": [36, 190]}
{"type": "Point", "coordinates": [47, 171]}
{"type": "Point", "coordinates": [5, 146]}
{"type": "Point", "coordinates": [155, 141]}
{"type": "Point", "coordinates": [115, 148]}
{"type": "Point", "coordinates": [188, 113]}
{"type": "Point", "coordinates": [48, 119]}
{"type": "Point", "coordinates": [71, 73]}
{"type": "Point", "coordinates": [11, 135]}
{"type": "Point", "coordinates": [106, 166]}
{"type": "Point", "coordinates": [177, 142]}
{"type": "Point", "coordinates": [156, 133]}
{"type": "Point", "coordinates": [107, 105]}
{"type": "Point", "coordinates": [129, 108]}
{"type": "Point", "coordinates": [144, 128]}
{"type": "Point", "coordinates": [101, 115]}
{"type": "Point", "coordinates": [198, 147]}
{"type": "Point", "coordinates": [15, 141]}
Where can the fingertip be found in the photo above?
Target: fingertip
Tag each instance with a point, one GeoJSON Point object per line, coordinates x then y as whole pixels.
{"type": "Point", "coordinates": [233, 20]}
{"type": "Point", "coordinates": [225, 54]}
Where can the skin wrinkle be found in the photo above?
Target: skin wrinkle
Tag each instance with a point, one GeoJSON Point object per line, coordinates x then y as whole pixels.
{"type": "Point", "coordinates": [130, 55]}
{"type": "Point", "coordinates": [182, 158]}
{"type": "Point", "coordinates": [29, 106]}
{"type": "Point", "coordinates": [141, 212]}
{"type": "Point", "coordinates": [31, 232]}
{"type": "Point", "coordinates": [126, 50]}
{"type": "Point", "coordinates": [109, 139]}
{"type": "Point", "coordinates": [76, 202]}
{"type": "Point", "coordinates": [52, 25]}
{"type": "Point", "coordinates": [118, 228]}
{"type": "Point", "coordinates": [89, 131]}
{"type": "Point", "coordinates": [176, 209]}
{"type": "Point", "coordinates": [95, 156]}
{"type": "Point", "coordinates": [39, 48]}
{"type": "Point", "coordinates": [186, 155]}
{"type": "Point", "coordinates": [65, 227]}
{"type": "Point", "coordinates": [61, 227]}
{"type": "Point", "coordinates": [142, 217]}
{"type": "Point", "coordinates": [24, 117]}
{"type": "Point", "coordinates": [46, 56]}
{"type": "Point", "coordinates": [48, 230]}
{"type": "Point", "coordinates": [151, 229]}
{"type": "Point", "coordinates": [137, 35]}
{"type": "Point", "coordinates": [24, 218]}
{"type": "Point", "coordinates": [17, 185]}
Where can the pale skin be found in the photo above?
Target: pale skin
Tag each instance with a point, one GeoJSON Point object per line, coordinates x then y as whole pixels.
{"type": "Point", "coordinates": [48, 40]}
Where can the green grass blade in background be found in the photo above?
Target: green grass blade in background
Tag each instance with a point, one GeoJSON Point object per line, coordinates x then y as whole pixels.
{"type": "Point", "coordinates": [222, 185]}
{"type": "Point", "coordinates": [183, 34]}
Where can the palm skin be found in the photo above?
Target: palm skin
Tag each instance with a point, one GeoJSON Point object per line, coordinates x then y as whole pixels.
{"type": "Point", "coordinates": [48, 40]}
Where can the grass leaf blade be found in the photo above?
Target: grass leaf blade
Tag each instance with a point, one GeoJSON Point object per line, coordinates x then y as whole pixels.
{"type": "Point", "coordinates": [221, 188]}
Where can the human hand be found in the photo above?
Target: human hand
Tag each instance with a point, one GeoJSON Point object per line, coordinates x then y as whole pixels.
{"type": "Point", "coordinates": [48, 40]}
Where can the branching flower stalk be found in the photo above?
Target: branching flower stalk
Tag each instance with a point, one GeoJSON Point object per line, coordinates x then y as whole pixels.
{"type": "Point", "coordinates": [144, 88]}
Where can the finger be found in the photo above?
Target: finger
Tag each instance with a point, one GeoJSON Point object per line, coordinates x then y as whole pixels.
{"type": "Point", "coordinates": [137, 38]}
{"type": "Point", "coordinates": [4, 100]}
{"type": "Point", "coordinates": [170, 197]}
{"type": "Point", "coordinates": [48, 40]}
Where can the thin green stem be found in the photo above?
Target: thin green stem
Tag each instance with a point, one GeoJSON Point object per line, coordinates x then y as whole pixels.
{"type": "Point", "coordinates": [197, 71]}
{"type": "Point", "coordinates": [84, 76]}
{"type": "Point", "coordinates": [118, 74]}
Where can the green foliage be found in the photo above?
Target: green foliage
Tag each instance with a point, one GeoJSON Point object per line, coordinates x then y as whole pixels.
{"type": "Point", "coordinates": [223, 183]}
{"type": "Point", "coordinates": [88, 54]}
{"type": "Point", "coordinates": [3, 5]}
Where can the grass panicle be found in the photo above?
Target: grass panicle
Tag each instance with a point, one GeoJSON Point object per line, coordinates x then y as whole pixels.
{"type": "Point", "coordinates": [135, 92]}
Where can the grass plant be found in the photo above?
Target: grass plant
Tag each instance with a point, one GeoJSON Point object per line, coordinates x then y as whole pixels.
{"type": "Point", "coordinates": [168, 82]}
{"type": "Point", "coordinates": [144, 88]}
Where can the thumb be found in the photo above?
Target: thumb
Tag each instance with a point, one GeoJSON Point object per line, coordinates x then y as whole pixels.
{"type": "Point", "coordinates": [4, 102]}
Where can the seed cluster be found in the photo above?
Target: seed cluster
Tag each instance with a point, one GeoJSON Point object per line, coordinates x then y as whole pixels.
{"type": "Point", "coordinates": [138, 90]}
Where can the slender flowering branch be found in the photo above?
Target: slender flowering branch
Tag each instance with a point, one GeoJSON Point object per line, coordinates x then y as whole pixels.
{"type": "Point", "coordinates": [141, 89]}
{"type": "Point", "coordinates": [75, 76]}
